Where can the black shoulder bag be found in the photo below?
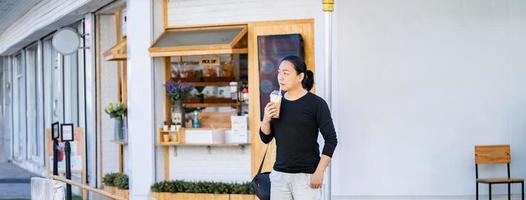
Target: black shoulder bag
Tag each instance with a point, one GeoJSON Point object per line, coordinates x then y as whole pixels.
{"type": "Point", "coordinates": [261, 182]}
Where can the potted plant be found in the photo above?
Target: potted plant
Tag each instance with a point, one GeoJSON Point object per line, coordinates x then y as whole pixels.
{"type": "Point", "coordinates": [116, 184]}
{"type": "Point", "coordinates": [108, 182]}
{"type": "Point", "coordinates": [117, 112]}
{"type": "Point", "coordinates": [203, 190]}
{"type": "Point", "coordinates": [177, 92]}
{"type": "Point", "coordinates": [121, 182]}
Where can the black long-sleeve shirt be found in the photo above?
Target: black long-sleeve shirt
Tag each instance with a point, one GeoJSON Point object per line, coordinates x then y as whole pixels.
{"type": "Point", "coordinates": [296, 133]}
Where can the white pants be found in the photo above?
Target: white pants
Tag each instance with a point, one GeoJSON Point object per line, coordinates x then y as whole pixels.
{"type": "Point", "coordinates": [289, 186]}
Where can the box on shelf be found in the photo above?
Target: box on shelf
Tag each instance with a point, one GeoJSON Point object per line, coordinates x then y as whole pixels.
{"type": "Point", "coordinates": [205, 136]}
{"type": "Point", "coordinates": [239, 122]}
{"type": "Point", "coordinates": [236, 137]}
{"type": "Point", "coordinates": [239, 131]}
{"type": "Point", "coordinates": [215, 120]}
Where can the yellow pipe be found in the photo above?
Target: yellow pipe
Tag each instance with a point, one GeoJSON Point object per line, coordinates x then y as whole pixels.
{"type": "Point", "coordinates": [328, 5]}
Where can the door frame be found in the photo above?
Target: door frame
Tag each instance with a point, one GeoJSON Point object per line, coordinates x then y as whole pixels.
{"type": "Point", "coordinates": [305, 27]}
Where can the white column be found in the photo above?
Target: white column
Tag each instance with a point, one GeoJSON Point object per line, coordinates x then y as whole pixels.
{"type": "Point", "coordinates": [140, 99]}
{"type": "Point", "coordinates": [328, 9]}
{"type": "Point", "coordinates": [91, 97]}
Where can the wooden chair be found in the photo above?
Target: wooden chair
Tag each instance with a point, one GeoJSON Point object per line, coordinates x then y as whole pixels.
{"type": "Point", "coordinates": [495, 154]}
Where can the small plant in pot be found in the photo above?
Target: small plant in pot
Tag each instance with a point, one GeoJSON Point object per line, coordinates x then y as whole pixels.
{"type": "Point", "coordinates": [116, 184]}
{"type": "Point", "coordinates": [109, 178]}
{"type": "Point", "coordinates": [177, 93]}
{"type": "Point", "coordinates": [121, 182]}
{"type": "Point", "coordinates": [117, 112]}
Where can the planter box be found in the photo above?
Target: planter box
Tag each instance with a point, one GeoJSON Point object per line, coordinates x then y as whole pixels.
{"type": "Point", "coordinates": [110, 189]}
{"type": "Point", "coordinates": [243, 197]}
{"type": "Point", "coordinates": [188, 196]}
{"type": "Point", "coordinates": [117, 192]}
{"type": "Point", "coordinates": [122, 193]}
{"type": "Point", "coordinates": [200, 196]}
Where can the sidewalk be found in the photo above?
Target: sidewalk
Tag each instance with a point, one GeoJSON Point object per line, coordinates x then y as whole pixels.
{"type": "Point", "coordinates": [15, 182]}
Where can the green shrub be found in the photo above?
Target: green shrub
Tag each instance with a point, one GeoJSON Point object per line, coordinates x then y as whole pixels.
{"type": "Point", "coordinates": [109, 178]}
{"type": "Point", "coordinates": [121, 182]}
{"type": "Point", "coordinates": [118, 180]}
{"type": "Point", "coordinates": [242, 188]}
{"type": "Point", "coordinates": [202, 187]}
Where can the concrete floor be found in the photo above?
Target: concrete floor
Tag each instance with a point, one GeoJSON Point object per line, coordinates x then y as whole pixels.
{"type": "Point", "coordinates": [15, 182]}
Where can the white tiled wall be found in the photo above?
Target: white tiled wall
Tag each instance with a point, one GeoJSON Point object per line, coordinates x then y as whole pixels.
{"type": "Point", "coordinates": [227, 164]}
{"type": "Point", "coordinates": [191, 12]}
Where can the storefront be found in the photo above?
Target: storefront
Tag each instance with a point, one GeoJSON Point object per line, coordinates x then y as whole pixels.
{"type": "Point", "coordinates": [214, 48]}
{"type": "Point", "coordinates": [186, 49]}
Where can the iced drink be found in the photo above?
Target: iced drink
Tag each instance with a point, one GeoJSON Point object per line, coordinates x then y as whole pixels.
{"type": "Point", "coordinates": [275, 97]}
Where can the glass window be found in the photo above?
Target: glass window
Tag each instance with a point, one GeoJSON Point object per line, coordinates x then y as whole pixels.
{"type": "Point", "coordinates": [7, 121]}
{"type": "Point", "coordinates": [71, 89]}
{"type": "Point", "coordinates": [2, 85]}
{"type": "Point", "coordinates": [52, 87]}
{"type": "Point", "coordinates": [31, 99]}
{"type": "Point", "coordinates": [81, 97]}
{"type": "Point", "coordinates": [20, 139]}
{"type": "Point", "coordinates": [61, 83]}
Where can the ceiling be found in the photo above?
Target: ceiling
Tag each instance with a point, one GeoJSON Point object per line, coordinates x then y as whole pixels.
{"type": "Point", "coordinates": [11, 10]}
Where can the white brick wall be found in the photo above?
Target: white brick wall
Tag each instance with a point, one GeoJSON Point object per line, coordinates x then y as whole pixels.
{"type": "Point", "coordinates": [192, 12]}
{"type": "Point", "coordinates": [228, 164]}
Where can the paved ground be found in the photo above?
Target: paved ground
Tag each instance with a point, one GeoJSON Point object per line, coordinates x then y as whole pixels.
{"type": "Point", "coordinates": [14, 182]}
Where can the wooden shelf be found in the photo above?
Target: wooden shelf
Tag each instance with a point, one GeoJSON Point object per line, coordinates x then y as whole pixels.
{"type": "Point", "coordinates": [202, 105]}
{"type": "Point", "coordinates": [168, 131]}
{"type": "Point", "coordinates": [202, 145]}
{"type": "Point", "coordinates": [201, 84]}
{"type": "Point", "coordinates": [117, 52]}
{"type": "Point", "coordinates": [198, 82]}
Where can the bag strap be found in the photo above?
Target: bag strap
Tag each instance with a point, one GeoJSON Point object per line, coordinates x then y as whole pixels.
{"type": "Point", "coordinates": [263, 161]}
